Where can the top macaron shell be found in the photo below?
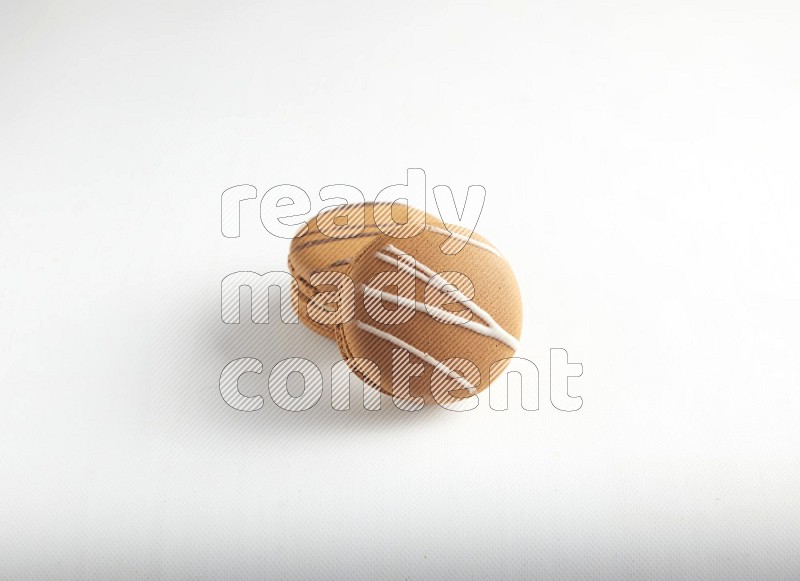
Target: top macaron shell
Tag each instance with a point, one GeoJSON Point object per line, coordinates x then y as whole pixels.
{"type": "Point", "coordinates": [437, 336]}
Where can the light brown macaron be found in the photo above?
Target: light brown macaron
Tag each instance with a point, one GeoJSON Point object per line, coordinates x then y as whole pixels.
{"type": "Point", "coordinates": [428, 324]}
{"type": "Point", "coordinates": [334, 237]}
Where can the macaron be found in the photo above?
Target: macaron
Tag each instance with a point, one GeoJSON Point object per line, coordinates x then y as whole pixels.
{"type": "Point", "coordinates": [429, 325]}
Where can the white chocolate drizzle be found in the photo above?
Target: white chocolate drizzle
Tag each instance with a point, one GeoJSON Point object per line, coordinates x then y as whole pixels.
{"type": "Point", "coordinates": [489, 328]}
{"type": "Point", "coordinates": [468, 239]}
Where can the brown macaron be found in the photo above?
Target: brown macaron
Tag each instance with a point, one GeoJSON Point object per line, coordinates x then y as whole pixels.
{"type": "Point", "coordinates": [428, 325]}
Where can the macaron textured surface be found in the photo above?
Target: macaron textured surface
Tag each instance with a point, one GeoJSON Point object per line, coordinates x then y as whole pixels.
{"type": "Point", "coordinates": [428, 324]}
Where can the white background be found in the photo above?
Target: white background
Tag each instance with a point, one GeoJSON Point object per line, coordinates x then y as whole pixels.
{"type": "Point", "coordinates": [641, 167]}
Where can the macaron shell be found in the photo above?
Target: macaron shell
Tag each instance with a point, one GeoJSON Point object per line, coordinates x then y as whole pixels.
{"type": "Point", "coordinates": [496, 294]}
